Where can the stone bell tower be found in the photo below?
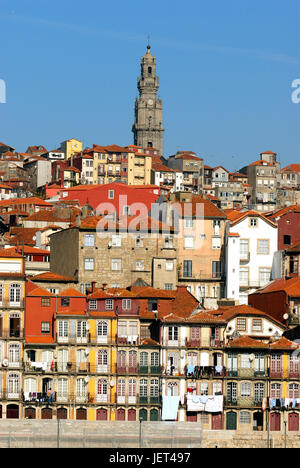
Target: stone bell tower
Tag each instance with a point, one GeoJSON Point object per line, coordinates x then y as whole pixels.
{"type": "Point", "coordinates": [148, 125]}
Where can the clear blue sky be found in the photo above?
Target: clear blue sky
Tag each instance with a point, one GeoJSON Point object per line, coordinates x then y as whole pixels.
{"type": "Point", "coordinates": [225, 70]}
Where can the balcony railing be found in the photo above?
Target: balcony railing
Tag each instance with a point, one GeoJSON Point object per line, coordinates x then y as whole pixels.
{"type": "Point", "coordinates": [12, 334]}
{"type": "Point", "coordinates": [243, 402]}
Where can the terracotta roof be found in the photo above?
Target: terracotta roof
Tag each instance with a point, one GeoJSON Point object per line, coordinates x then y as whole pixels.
{"type": "Point", "coordinates": [229, 312]}
{"type": "Point", "coordinates": [291, 287]}
{"type": "Point", "coordinates": [50, 276]}
{"type": "Point", "coordinates": [283, 211]}
{"type": "Point", "coordinates": [246, 342]}
{"type": "Point", "coordinates": [9, 253]}
{"type": "Point", "coordinates": [262, 163]}
{"type": "Point", "coordinates": [291, 168]}
{"type": "Point", "coordinates": [25, 201]}
{"type": "Point", "coordinates": [40, 292]}
{"type": "Point", "coordinates": [110, 292]}
{"type": "Point", "coordinates": [71, 292]}
{"type": "Point", "coordinates": [210, 209]}
{"type": "Point", "coordinates": [237, 216]}
{"type": "Point", "coordinates": [284, 343]}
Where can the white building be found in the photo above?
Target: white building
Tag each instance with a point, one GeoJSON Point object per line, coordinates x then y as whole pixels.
{"type": "Point", "coordinates": [250, 246]}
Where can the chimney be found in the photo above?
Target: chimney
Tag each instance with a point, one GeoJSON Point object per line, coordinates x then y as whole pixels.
{"type": "Point", "coordinates": [93, 286]}
{"type": "Point", "coordinates": [78, 221]}
{"type": "Point", "coordinates": [104, 286]}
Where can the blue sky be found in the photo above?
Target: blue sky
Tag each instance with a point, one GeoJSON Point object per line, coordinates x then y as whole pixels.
{"type": "Point", "coordinates": [225, 70]}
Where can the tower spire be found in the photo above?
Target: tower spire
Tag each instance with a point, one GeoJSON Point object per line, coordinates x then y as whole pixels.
{"type": "Point", "coordinates": [148, 126]}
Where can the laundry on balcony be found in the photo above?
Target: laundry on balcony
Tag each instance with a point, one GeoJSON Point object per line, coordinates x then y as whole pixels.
{"type": "Point", "coordinates": [208, 403]}
{"type": "Point", "coordinates": [170, 407]}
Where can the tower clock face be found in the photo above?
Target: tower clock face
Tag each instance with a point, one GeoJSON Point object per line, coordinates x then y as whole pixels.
{"type": "Point", "coordinates": [150, 102]}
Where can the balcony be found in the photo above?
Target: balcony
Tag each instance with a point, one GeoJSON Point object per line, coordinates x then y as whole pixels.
{"type": "Point", "coordinates": [245, 257]}
{"type": "Point", "coordinates": [243, 402]}
{"type": "Point", "coordinates": [11, 334]}
{"type": "Point", "coordinates": [127, 340]}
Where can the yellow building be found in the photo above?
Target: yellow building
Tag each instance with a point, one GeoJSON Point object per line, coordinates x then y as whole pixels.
{"type": "Point", "coordinates": [71, 147]}
{"type": "Point", "coordinates": [120, 164]}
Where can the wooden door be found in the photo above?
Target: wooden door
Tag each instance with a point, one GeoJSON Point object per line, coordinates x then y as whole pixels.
{"type": "Point", "coordinates": [101, 414]}
{"type": "Point", "coordinates": [217, 421]}
{"type": "Point", "coordinates": [231, 421]}
{"type": "Point", "coordinates": [275, 422]}
{"type": "Point", "coordinates": [293, 422]}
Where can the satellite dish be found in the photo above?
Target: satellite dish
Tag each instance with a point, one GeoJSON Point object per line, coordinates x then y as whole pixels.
{"type": "Point", "coordinates": [286, 316]}
{"type": "Point", "coordinates": [252, 357]}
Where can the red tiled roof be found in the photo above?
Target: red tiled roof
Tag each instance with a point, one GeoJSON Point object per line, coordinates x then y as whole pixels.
{"type": "Point", "coordinates": [210, 209]}
{"type": "Point", "coordinates": [262, 163]}
{"type": "Point", "coordinates": [55, 277]}
{"type": "Point", "coordinates": [291, 168]}
{"type": "Point", "coordinates": [291, 287]}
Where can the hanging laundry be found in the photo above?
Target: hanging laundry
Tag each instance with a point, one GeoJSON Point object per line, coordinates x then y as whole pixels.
{"type": "Point", "coordinates": [169, 407]}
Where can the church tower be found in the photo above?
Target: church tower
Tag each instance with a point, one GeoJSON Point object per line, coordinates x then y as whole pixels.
{"type": "Point", "coordinates": [148, 125]}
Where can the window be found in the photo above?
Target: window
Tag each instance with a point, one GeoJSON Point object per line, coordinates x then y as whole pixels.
{"type": "Point", "coordinates": [173, 333]}
{"type": "Point", "coordinates": [65, 302]}
{"type": "Point", "coordinates": [204, 388]}
{"type": "Point", "coordinates": [93, 304]}
{"type": "Point", "coordinates": [216, 242]}
{"type": "Point", "coordinates": [168, 286]}
{"type": "Point", "coordinates": [116, 264]}
{"type": "Point", "coordinates": [89, 240]}
{"type": "Point", "coordinates": [15, 293]}
{"type": "Point", "coordinates": [259, 391]}
{"type": "Point", "coordinates": [188, 223]}
{"type": "Point", "coordinates": [216, 269]}
{"type": "Point", "coordinates": [264, 276]}
{"type": "Point", "coordinates": [45, 302]}
{"type": "Point", "coordinates": [244, 248]}
{"type": "Point", "coordinates": [245, 417]}
{"type": "Point", "coordinates": [126, 304]}
{"type": "Point", "coordinates": [109, 304]}
{"type": "Point", "coordinates": [111, 193]}
{"type": "Point", "coordinates": [287, 240]}
{"type": "Point", "coordinates": [275, 390]}
{"type": "Point", "coordinates": [116, 240]}
{"type": "Point", "coordinates": [257, 325]}
{"type": "Point", "coordinates": [244, 276]}
{"type": "Point", "coordinates": [139, 265]}
{"type": "Point", "coordinates": [241, 324]}
{"type": "Point", "coordinates": [89, 264]}
{"type": "Point", "coordinates": [126, 210]}
{"type": "Point", "coordinates": [188, 242]}
{"type": "Point", "coordinates": [253, 222]}
{"type": "Point", "coordinates": [187, 268]}
{"type": "Point", "coordinates": [168, 242]}
{"type": "Point", "coordinates": [246, 389]}
{"type": "Point", "coordinates": [45, 327]}
{"type": "Point", "coordinates": [263, 246]}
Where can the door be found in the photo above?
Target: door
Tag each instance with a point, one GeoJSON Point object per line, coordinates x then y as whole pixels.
{"type": "Point", "coordinates": [81, 413]}
{"type": "Point", "coordinates": [231, 421]}
{"type": "Point", "coordinates": [154, 415]}
{"type": "Point", "coordinates": [29, 413]}
{"type": "Point", "coordinates": [101, 414]}
{"type": "Point", "coordinates": [12, 412]}
{"type": "Point", "coordinates": [46, 413]}
{"type": "Point", "coordinates": [275, 422]}
{"type": "Point", "coordinates": [121, 361]}
{"type": "Point", "coordinates": [293, 422]}
{"type": "Point", "coordinates": [120, 414]}
{"type": "Point", "coordinates": [62, 413]}
{"type": "Point", "coordinates": [143, 414]}
{"type": "Point", "coordinates": [191, 417]}
{"type": "Point", "coordinates": [217, 421]}
{"type": "Point", "coordinates": [131, 415]}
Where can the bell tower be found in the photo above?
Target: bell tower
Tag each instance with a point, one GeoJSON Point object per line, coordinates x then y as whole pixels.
{"type": "Point", "coordinates": [148, 125]}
